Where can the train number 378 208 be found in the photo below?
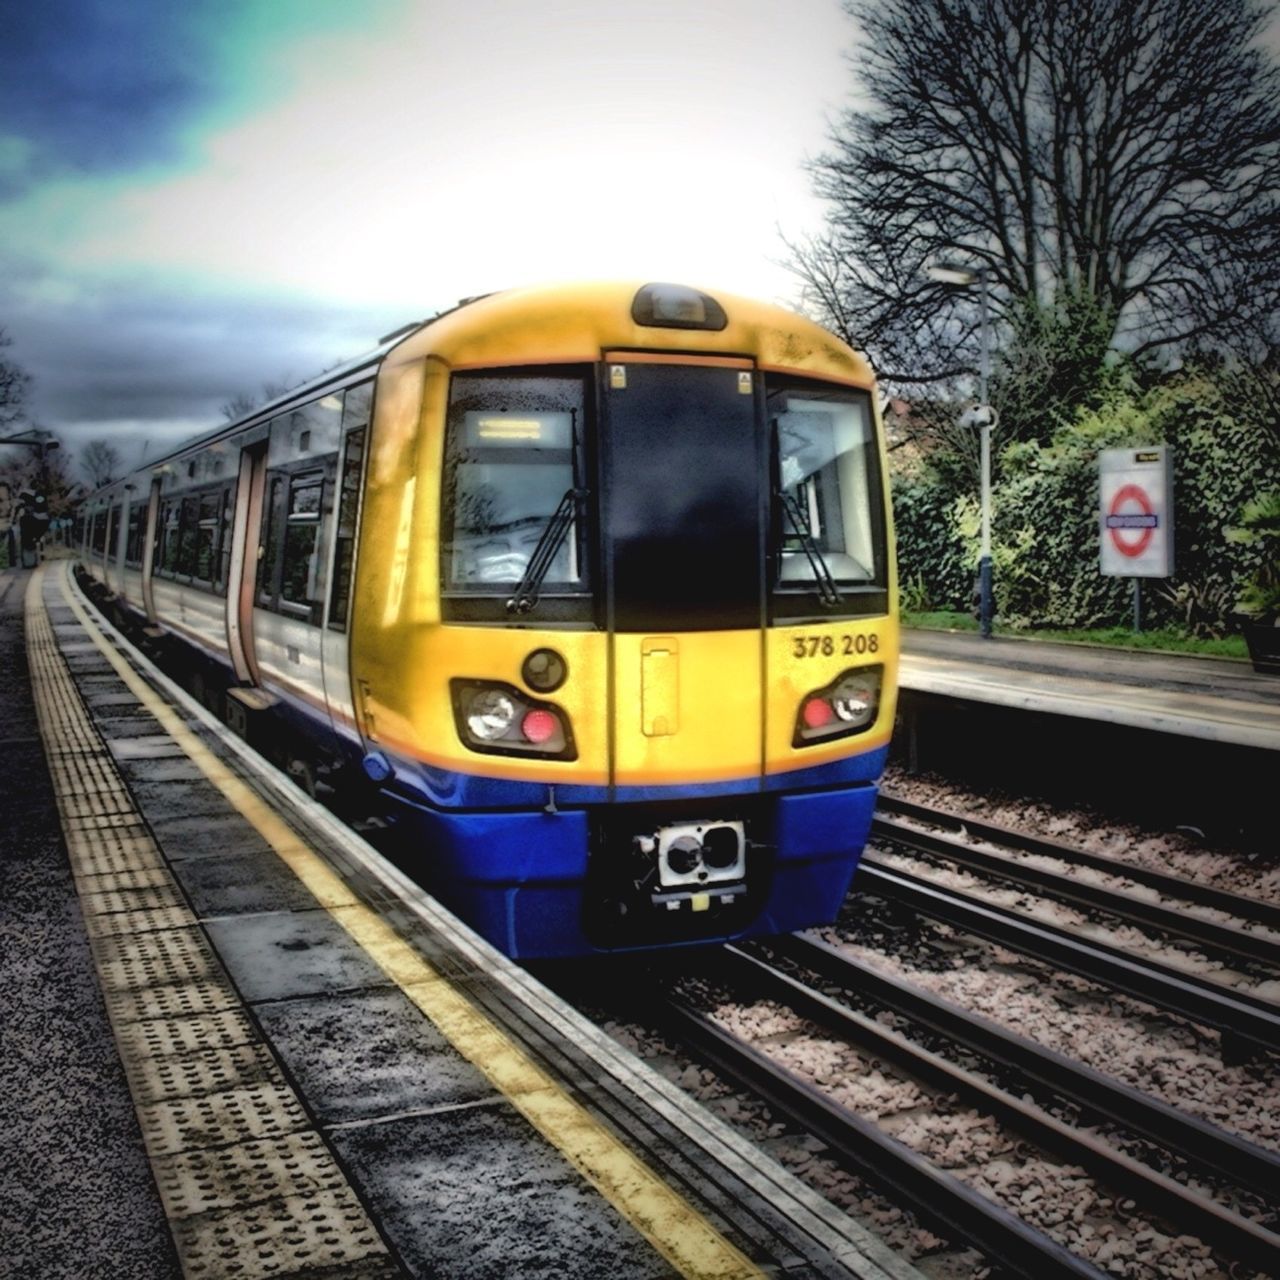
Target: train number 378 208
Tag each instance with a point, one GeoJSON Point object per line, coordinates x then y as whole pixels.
{"type": "Point", "coordinates": [828, 646]}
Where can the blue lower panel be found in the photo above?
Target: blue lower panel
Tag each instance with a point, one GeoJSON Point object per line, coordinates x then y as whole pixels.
{"type": "Point", "coordinates": [506, 848]}
{"type": "Point", "coordinates": [520, 879]}
{"type": "Point", "coordinates": [822, 823]}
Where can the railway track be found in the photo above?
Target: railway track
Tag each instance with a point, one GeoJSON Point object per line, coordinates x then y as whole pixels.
{"type": "Point", "coordinates": [1183, 1173]}
{"type": "Point", "coordinates": [897, 818]}
{"type": "Point", "coordinates": [1249, 1024]}
{"type": "Point", "coordinates": [937, 1196]}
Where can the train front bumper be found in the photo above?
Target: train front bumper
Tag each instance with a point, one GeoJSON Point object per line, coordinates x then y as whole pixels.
{"type": "Point", "coordinates": [553, 884]}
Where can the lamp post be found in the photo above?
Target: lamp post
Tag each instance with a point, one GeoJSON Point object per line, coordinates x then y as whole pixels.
{"type": "Point", "coordinates": [982, 416]}
{"type": "Point", "coordinates": [42, 442]}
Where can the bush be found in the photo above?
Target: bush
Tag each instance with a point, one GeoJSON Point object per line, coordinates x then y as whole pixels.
{"type": "Point", "coordinates": [933, 551]}
{"type": "Point", "coordinates": [1045, 501]}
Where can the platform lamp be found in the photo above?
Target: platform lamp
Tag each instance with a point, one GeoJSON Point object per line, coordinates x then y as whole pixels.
{"type": "Point", "coordinates": [983, 416]}
{"type": "Point", "coordinates": [42, 442]}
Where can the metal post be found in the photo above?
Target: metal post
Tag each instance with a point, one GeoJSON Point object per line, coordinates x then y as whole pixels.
{"type": "Point", "coordinates": [1137, 604]}
{"type": "Point", "coordinates": [986, 609]}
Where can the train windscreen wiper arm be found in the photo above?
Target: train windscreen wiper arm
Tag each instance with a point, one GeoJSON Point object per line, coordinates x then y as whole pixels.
{"type": "Point", "coordinates": [828, 592]}
{"type": "Point", "coordinates": [525, 597]}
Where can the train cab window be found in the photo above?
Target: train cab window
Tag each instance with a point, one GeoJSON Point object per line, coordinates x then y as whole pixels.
{"type": "Point", "coordinates": [513, 464]}
{"type": "Point", "coordinates": [828, 513]}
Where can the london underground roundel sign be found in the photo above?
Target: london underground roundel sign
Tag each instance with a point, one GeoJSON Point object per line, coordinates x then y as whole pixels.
{"type": "Point", "coordinates": [1136, 514]}
{"type": "Point", "coordinates": [1132, 520]}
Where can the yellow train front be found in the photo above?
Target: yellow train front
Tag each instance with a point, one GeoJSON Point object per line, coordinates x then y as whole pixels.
{"type": "Point", "coordinates": [623, 648]}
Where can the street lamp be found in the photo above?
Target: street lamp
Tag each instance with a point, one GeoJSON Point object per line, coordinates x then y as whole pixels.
{"type": "Point", "coordinates": [41, 441]}
{"type": "Point", "coordinates": [982, 416]}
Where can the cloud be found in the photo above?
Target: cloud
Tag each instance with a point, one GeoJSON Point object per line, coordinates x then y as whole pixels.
{"type": "Point", "coordinates": [96, 87]}
{"type": "Point", "coordinates": [293, 178]}
{"type": "Point", "coordinates": [127, 357]}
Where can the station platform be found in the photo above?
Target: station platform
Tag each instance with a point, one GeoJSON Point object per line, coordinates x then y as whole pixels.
{"type": "Point", "coordinates": [1218, 700]}
{"type": "Point", "coordinates": [238, 1042]}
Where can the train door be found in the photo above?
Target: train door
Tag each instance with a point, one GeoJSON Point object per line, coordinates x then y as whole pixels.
{"type": "Point", "coordinates": [683, 456]}
{"type": "Point", "coordinates": [149, 550]}
{"type": "Point", "coordinates": [242, 570]}
{"type": "Point", "coordinates": [335, 646]}
{"type": "Point", "coordinates": [109, 515]}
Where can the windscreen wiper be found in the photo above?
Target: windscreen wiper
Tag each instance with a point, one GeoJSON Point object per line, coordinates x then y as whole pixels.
{"type": "Point", "coordinates": [553, 535]}
{"type": "Point", "coordinates": [828, 592]}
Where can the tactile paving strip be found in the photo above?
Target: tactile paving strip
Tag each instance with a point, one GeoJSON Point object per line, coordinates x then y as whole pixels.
{"type": "Point", "coordinates": [313, 1235]}
{"type": "Point", "coordinates": [194, 1182]}
{"type": "Point", "coordinates": [249, 1187]}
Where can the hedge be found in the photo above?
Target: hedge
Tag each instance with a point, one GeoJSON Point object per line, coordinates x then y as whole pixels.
{"type": "Point", "coordinates": [1045, 548]}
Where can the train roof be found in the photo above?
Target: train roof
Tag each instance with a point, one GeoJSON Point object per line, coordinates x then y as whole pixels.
{"type": "Point", "coordinates": [566, 323]}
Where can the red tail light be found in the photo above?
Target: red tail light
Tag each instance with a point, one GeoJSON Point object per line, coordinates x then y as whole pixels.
{"type": "Point", "coordinates": [817, 713]}
{"type": "Point", "coordinates": [540, 726]}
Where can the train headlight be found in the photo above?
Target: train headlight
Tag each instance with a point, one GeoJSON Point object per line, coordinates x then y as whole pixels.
{"type": "Point", "coordinates": [500, 720]}
{"type": "Point", "coordinates": [846, 706]}
{"type": "Point", "coordinates": [490, 714]}
{"type": "Point", "coordinates": [676, 306]}
{"type": "Point", "coordinates": [854, 699]}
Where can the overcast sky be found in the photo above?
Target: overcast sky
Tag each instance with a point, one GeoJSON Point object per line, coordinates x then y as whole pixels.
{"type": "Point", "coordinates": [198, 197]}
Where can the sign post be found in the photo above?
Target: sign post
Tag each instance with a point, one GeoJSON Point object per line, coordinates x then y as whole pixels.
{"type": "Point", "coordinates": [1136, 516]}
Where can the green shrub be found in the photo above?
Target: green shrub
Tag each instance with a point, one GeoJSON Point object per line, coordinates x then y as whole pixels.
{"type": "Point", "coordinates": [1045, 549]}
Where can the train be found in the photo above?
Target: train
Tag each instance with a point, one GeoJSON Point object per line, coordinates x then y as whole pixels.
{"type": "Point", "coordinates": [591, 588]}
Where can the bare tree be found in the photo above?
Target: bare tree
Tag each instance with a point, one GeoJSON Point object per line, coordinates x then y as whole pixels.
{"type": "Point", "coordinates": [242, 403]}
{"type": "Point", "coordinates": [1113, 165]}
{"type": "Point", "coordinates": [14, 385]}
{"type": "Point", "coordinates": [100, 462]}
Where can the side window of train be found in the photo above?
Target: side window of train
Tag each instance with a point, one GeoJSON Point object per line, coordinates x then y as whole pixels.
{"type": "Point", "coordinates": [300, 586]}
{"type": "Point", "coordinates": [227, 509]}
{"type": "Point", "coordinates": [355, 424]}
{"type": "Point", "coordinates": [207, 523]}
{"type": "Point", "coordinates": [167, 533]}
{"type": "Point", "coordinates": [188, 537]}
{"type": "Point", "coordinates": [270, 540]}
{"type": "Point", "coordinates": [133, 540]}
{"type": "Point", "coordinates": [291, 573]}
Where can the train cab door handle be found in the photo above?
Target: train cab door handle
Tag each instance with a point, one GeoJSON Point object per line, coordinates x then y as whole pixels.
{"type": "Point", "coordinates": [660, 686]}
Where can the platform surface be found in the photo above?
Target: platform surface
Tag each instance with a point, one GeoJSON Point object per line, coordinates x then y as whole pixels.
{"type": "Point", "coordinates": [298, 1064]}
{"type": "Point", "coordinates": [1219, 700]}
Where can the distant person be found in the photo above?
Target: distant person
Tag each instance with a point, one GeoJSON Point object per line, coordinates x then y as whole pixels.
{"type": "Point", "coordinates": [33, 524]}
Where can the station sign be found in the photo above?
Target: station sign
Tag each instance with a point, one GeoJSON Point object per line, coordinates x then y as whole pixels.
{"type": "Point", "coordinates": [1136, 511]}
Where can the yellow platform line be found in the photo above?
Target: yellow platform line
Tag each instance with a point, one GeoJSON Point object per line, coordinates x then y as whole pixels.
{"type": "Point", "coordinates": [675, 1228]}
